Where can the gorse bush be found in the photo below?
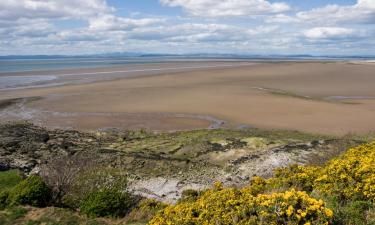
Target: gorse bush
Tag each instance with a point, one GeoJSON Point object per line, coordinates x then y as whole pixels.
{"type": "Point", "coordinates": [225, 206]}
{"type": "Point", "coordinates": [106, 202]}
{"type": "Point", "coordinates": [346, 183]}
{"type": "Point", "coordinates": [352, 175]}
{"type": "Point", "coordinates": [301, 177]}
{"type": "Point", "coordinates": [31, 191]}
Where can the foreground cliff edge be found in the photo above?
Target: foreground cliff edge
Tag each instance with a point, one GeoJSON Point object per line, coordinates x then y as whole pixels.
{"type": "Point", "coordinates": [122, 177]}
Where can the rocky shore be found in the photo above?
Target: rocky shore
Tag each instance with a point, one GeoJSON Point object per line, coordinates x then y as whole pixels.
{"type": "Point", "coordinates": [162, 165]}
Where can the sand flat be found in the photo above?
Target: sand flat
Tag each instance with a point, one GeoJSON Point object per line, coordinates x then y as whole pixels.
{"type": "Point", "coordinates": [245, 94]}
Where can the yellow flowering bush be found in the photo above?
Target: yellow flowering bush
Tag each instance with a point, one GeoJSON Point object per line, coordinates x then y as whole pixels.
{"type": "Point", "coordinates": [225, 206]}
{"type": "Point", "coordinates": [301, 177]}
{"type": "Point", "coordinates": [351, 175]}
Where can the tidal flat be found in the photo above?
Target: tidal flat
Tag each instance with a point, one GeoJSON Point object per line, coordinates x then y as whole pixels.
{"type": "Point", "coordinates": [270, 95]}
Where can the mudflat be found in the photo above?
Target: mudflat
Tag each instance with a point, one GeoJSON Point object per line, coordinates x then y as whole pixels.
{"type": "Point", "coordinates": [319, 97]}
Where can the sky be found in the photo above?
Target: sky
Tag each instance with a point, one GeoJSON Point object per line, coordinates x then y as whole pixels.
{"type": "Point", "coordinates": [75, 27]}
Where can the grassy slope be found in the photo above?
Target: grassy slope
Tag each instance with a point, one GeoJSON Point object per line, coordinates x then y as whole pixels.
{"type": "Point", "coordinates": [8, 179]}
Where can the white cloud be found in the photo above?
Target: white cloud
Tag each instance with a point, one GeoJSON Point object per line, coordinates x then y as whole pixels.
{"type": "Point", "coordinates": [200, 32]}
{"type": "Point", "coordinates": [228, 8]}
{"type": "Point", "coordinates": [111, 22]}
{"type": "Point", "coordinates": [45, 26]}
{"type": "Point", "coordinates": [328, 33]}
{"type": "Point", "coordinates": [366, 3]}
{"type": "Point", "coordinates": [280, 18]}
{"type": "Point", "coordinates": [25, 28]}
{"type": "Point", "coordinates": [33, 9]}
{"type": "Point", "coordinates": [362, 11]}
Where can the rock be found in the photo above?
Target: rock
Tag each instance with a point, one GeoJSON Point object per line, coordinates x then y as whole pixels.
{"type": "Point", "coordinates": [4, 166]}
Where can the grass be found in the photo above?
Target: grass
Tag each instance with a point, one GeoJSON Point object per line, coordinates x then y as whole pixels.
{"type": "Point", "coordinates": [171, 142]}
{"type": "Point", "coordinates": [9, 179]}
{"type": "Point", "coordinates": [46, 216]}
{"type": "Point", "coordinates": [12, 216]}
{"type": "Point", "coordinates": [54, 216]}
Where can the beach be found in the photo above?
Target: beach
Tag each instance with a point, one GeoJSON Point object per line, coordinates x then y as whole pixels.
{"type": "Point", "coordinates": [318, 97]}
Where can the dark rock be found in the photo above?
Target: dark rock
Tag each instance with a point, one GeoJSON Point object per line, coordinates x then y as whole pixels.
{"type": "Point", "coordinates": [4, 166]}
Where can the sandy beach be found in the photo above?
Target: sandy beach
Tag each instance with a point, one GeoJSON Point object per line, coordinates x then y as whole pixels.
{"type": "Point", "coordinates": [319, 97]}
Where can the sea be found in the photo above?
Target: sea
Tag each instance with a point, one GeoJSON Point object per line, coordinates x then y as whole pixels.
{"type": "Point", "coordinates": [22, 71]}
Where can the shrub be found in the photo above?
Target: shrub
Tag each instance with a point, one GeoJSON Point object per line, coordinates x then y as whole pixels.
{"type": "Point", "coordinates": [189, 195]}
{"type": "Point", "coordinates": [301, 177]}
{"type": "Point", "coordinates": [31, 191]}
{"type": "Point", "coordinates": [61, 173]}
{"type": "Point", "coordinates": [93, 180]}
{"type": "Point", "coordinates": [350, 212]}
{"type": "Point", "coordinates": [145, 210]}
{"type": "Point", "coordinates": [3, 199]}
{"type": "Point", "coordinates": [350, 176]}
{"type": "Point", "coordinates": [106, 202]}
{"type": "Point", "coordinates": [225, 206]}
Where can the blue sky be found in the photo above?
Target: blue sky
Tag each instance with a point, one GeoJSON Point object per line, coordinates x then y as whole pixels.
{"type": "Point", "coordinates": [330, 27]}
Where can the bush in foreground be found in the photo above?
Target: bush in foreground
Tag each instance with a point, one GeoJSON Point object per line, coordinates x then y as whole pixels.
{"type": "Point", "coordinates": [106, 202]}
{"type": "Point", "coordinates": [346, 183]}
{"type": "Point", "coordinates": [31, 191]}
{"type": "Point", "coordinates": [225, 206]}
{"type": "Point", "coordinates": [350, 176]}
{"type": "Point", "coordinates": [144, 211]}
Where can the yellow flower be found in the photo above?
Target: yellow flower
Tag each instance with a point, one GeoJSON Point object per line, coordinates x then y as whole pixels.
{"type": "Point", "coordinates": [289, 211]}
{"type": "Point", "coordinates": [328, 212]}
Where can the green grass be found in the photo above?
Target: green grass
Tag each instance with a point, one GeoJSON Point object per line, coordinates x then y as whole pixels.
{"type": "Point", "coordinates": [46, 216]}
{"type": "Point", "coordinates": [9, 179]}
{"type": "Point", "coordinates": [170, 143]}
{"type": "Point", "coordinates": [12, 216]}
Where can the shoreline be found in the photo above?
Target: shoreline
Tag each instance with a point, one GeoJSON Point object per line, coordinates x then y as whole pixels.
{"type": "Point", "coordinates": [53, 78]}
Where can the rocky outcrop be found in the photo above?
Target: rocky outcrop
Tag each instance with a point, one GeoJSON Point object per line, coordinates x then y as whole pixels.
{"type": "Point", "coordinates": [25, 146]}
{"type": "Point", "coordinates": [163, 165]}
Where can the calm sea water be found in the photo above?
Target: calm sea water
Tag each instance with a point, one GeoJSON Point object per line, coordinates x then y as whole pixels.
{"type": "Point", "coordinates": [8, 66]}
{"type": "Point", "coordinates": [10, 80]}
{"type": "Point", "coordinates": [17, 65]}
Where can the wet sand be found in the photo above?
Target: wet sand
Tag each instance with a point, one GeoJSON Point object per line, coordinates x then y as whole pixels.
{"type": "Point", "coordinates": [319, 97]}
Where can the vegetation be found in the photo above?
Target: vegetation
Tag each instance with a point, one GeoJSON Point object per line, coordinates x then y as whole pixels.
{"type": "Point", "coordinates": [345, 188]}
{"type": "Point", "coordinates": [232, 206]}
{"type": "Point", "coordinates": [9, 179]}
{"type": "Point", "coordinates": [11, 215]}
{"type": "Point", "coordinates": [31, 191]}
{"type": "Point", "coordinates": [106, 202]}
{"type": "Point", "coordinates": [337, 186]}
{"type": "Point", "coordinates": [144, 211]}
{"type": "Point", "coordinates": [22, 215]}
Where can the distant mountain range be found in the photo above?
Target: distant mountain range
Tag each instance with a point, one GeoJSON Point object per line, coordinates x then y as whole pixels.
{"type": "Point", "coordinates": [196, 55]}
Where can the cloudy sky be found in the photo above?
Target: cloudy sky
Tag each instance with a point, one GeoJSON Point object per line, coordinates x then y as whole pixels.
{"type": "Point", "coordinates": [345, 27]}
